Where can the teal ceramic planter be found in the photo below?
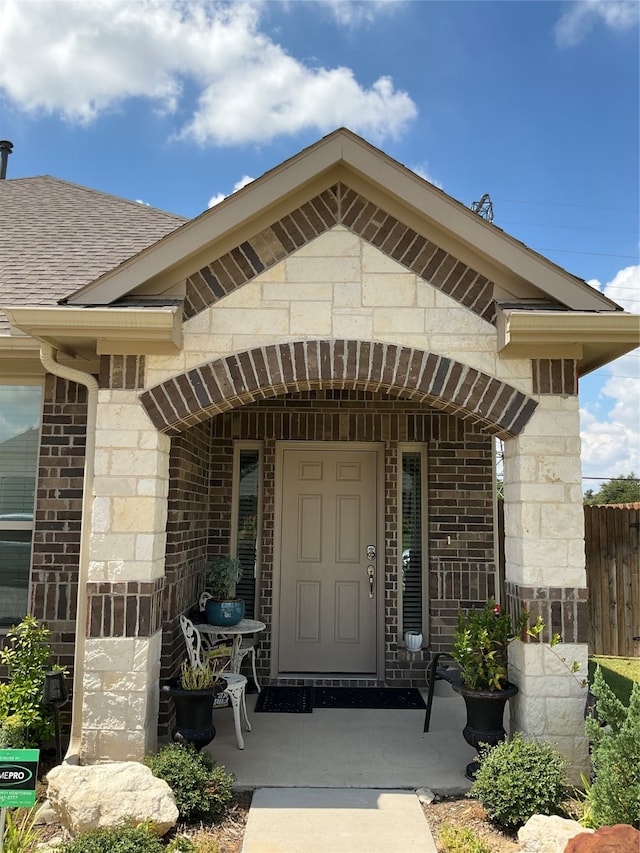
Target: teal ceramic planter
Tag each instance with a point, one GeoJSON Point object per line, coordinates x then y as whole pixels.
{"type": "Point", "coordinates": [225, 613]}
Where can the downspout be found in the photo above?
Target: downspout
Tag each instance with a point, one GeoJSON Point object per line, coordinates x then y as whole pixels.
{"type": "Point", "coordinates": [48, 358]}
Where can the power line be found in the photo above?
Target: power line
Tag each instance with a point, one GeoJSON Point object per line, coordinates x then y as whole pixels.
{"type": "Point", "coordinates": [565, 204]}
{"type": "Point", "coordinates": [600, 254]}
{"type": "Point", "coordinates": [570, 227]}
{"type": "Point", "coordinates": [616, 479]}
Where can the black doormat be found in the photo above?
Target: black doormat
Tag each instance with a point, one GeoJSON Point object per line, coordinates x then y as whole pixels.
{"type": "Point", "coordinates": [284, 700]}
{"type": "Point", "coordinates": [385, 698]}
{"type": "Point", "coordinates": [302, 700]}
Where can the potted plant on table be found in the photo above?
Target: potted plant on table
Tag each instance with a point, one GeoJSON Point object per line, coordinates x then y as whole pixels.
{"type": "Point", "coordinates": [221, 576]}
{"type": "Point", "coordinates": [480, 648]}
{"type": "Point", "coordinates": [194, 693]}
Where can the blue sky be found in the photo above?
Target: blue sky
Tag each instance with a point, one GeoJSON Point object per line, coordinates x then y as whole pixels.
{"type": "Point", "coordinates": [177, 103]}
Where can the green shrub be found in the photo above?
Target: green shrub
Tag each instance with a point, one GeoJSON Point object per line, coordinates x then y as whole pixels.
{"type": "Point", "coordinates": [127, 838]}
{"type": "Point", "coordinates": [182, 844]}
{"type": "Point", "coordinates": [12, 732]}
{"type": "Point", "coordinates": [614, 794]}
{"type": "Point", "coordinates": [519, 778]}
{"type": "Point", "coordinates": [200, 789]}
{"type": "Point", "coordinates": [27, 657]}
{"type": "Point", "coordinates": [458, 839]}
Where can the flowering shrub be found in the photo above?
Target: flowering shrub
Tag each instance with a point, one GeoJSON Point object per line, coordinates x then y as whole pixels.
{"type": "Point", "coordinates": [480, 646]}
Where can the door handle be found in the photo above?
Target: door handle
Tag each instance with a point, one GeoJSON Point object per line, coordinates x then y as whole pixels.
{"type": "Point", "coordinates": [371, 572]}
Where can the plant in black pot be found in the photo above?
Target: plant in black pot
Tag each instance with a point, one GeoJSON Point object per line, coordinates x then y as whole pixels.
{"type": "Point", "coordinates": [221, 576]}
{"type": "Point", "coordinates": [480, 648]}
{"type": "Point", "coordinates": [193, 694]}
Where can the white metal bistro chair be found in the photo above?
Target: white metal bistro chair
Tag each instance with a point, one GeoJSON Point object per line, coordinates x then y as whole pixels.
{"type": "Point", "coordinates": [247, 647]}
{"type": "Point", "coordinates": [236, 683]}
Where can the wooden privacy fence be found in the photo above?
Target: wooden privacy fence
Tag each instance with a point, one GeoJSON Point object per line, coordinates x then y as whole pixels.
{"type": "Point", "coordinates": [612, 549]}
{"type": "Point", "coordinates": [612, 537]}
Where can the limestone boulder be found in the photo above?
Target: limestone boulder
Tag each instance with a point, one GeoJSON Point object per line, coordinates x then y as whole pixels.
{"type": "Point", "coordinates": [620, 838]}
{"type": "Point", "coordinates": [102, 795]}
{"type": "Point", "coordinates": [548, 834]}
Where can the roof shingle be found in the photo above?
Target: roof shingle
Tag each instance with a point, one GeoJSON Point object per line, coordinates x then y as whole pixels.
{"type": "Point", "coordinates": [56, 236]}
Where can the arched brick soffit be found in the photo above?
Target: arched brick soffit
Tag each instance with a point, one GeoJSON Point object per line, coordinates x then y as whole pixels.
{"type": "Point", "coordinates": [340, 205]}
{"type": "Point", "coordinates": [268, 371]}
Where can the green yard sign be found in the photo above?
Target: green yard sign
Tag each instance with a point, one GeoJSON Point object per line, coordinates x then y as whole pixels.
{"type": "Point", "coordinates": [18, 775]}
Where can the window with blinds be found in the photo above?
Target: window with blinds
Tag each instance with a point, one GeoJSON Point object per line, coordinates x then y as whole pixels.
{"type": "Point", "coordinates": [413, 581]}
{"type": "Point", "coordinates": [20, 407]}
{"type": "Point", "coordinates": [247, 519]}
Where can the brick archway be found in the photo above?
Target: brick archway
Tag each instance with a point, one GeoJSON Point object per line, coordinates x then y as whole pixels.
{"type": "Point", "coordinates": [268, 371]}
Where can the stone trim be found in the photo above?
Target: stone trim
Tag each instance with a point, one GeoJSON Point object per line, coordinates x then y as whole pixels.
{"type": "Point", "coordinates": [340, 205]}
{"type": "Point", "coordinates": [122, 372]}
{"type": "Point", "coordinates": [125, 609]}
{"type": "Point", "coordinates": [203, 392]}
{"type": "Point", "coordinates": [554, 376]}
{"type": "Point", "coordinates": [564, 610]}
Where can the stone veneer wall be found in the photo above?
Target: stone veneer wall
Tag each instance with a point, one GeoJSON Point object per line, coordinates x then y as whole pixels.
{"type": "Point", "coordinates": [460, 505]}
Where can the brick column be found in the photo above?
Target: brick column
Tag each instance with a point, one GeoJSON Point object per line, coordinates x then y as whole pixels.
{"type": "Point", "coordinates": [126, 581]}
{"type": "Point", "coordinates": [545, 573]}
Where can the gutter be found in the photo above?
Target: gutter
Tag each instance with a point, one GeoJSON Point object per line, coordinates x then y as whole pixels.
{"type": "Point", "coordinates": [48, 357]}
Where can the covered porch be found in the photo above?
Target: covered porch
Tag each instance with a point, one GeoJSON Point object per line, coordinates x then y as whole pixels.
{"type": "Point", "coordinates": [344, 748]}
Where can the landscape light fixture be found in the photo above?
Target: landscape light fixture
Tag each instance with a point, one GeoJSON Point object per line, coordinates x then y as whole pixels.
{"type": "Point", "coordinates": [54, 696]}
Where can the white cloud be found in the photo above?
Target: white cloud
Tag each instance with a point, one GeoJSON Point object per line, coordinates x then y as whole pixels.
{"type": "Point", "coordinates": [582, 15]}
{"type": "Point", "coordinates": [216, 199]}
{"type": "Point", "coordinates": [352, 13]}
{"type": "Point", "coordinates": [611, 423]}
{"type": "Point", "coordinates": [78, 59]}
{"type": "Point", "coordinates": [423, 171]}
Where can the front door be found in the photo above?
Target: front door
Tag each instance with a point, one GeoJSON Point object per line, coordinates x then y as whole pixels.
{"type": "Point", "coordinates": [327, 568]}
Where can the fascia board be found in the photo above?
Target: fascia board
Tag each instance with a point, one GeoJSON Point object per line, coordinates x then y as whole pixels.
{"type": "Point", "coordinates": [343, 148]}
{"type": "Point", "coordinates": [191, 238]}
{"type": "Point", "coordinates": [19, 359]}
{"type": "Point", "coordinates": [150, 329]}
{"type": "Point", "coordinates": [593, 338]}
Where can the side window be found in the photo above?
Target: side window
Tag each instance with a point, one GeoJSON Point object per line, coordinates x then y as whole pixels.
{"type": "Point", "coordinates": [246, 519]}
{"type": "Point", "coordinates": [20, 407]}
{"type": "Point", "coordinates": [412, 569]}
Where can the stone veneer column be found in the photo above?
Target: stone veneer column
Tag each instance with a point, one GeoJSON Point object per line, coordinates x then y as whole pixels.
{"type": "Point", "coordinates": [545, 573]}
{"type": "Point", "coordinates": [126, 580]}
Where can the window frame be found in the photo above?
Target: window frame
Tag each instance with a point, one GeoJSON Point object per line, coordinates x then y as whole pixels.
{"type": "Point", "coordinates": [420, 449]}
{"type": "Point", "coordinates": [18, 526]}
{"type": "Point", "coordinates": [239, 446]}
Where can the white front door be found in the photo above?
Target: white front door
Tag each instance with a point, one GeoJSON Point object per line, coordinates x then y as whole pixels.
{"type": "Point", "coordinates": [327, 575]}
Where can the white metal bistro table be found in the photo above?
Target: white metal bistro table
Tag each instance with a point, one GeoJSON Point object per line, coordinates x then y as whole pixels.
{"type": "Point", "coordinates": [234, 633]}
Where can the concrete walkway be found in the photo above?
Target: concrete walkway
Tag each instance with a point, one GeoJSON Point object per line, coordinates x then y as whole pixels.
{"type": "Point", "coordinates": [344, 781]}
{"type": "Point", "coordinates": [340, 820]}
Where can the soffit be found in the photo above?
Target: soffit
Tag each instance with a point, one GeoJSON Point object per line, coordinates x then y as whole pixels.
{"type": "Point", "coordinates": [590, 338]}
{"type": "Point", "coordinates": [87, 333]}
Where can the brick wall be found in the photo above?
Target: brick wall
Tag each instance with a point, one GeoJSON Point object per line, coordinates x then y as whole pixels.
{"type": "Point", "coordinates": [56, 540]}
{"type": "Point", "coordinates": [187, 532]}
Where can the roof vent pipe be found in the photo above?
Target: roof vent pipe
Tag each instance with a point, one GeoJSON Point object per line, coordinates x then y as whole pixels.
{"type": "Point", "coordinates": [6, 148]}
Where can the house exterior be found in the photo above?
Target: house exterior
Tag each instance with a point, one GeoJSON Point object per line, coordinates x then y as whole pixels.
{"type": "Point", "coordinates": [311, 375]}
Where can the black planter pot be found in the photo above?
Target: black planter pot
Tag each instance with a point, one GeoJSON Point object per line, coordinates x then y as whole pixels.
{"type": "Point", "coordinates": [485, 712]}
{"type": "Point", "coordinates": [194, 713]}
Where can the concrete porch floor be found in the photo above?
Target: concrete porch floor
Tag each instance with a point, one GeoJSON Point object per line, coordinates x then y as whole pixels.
{"type": "Point", "coordinates": [344, 748]}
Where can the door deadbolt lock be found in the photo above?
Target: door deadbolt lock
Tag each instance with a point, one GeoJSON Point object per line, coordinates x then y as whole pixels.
{"type": "Point", "coordinates": [371, 552]}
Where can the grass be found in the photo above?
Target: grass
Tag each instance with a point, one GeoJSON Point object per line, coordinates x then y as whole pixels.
{"type": "Point", "coordinates": [619, 673]}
